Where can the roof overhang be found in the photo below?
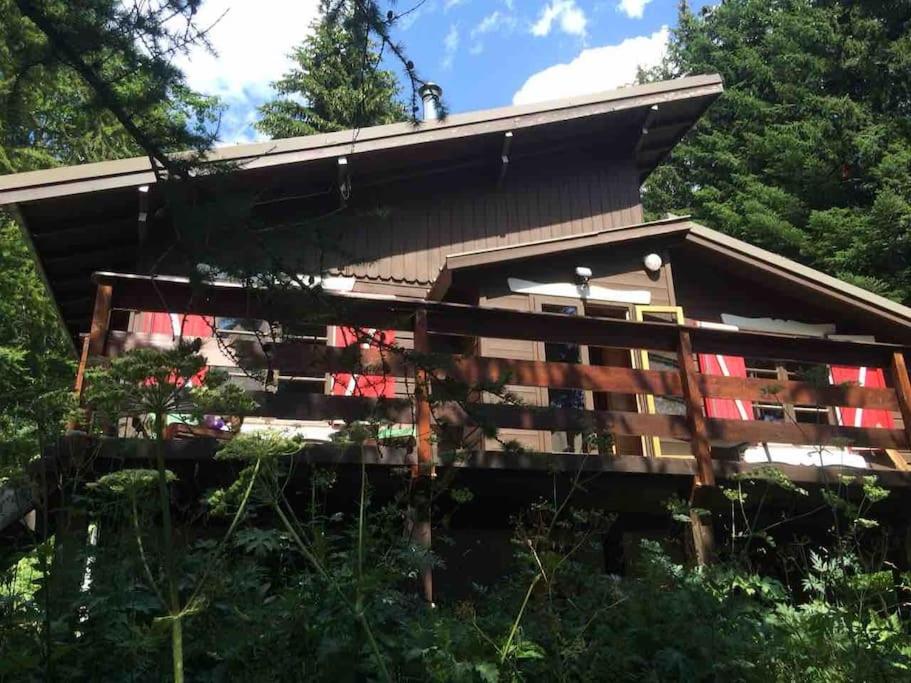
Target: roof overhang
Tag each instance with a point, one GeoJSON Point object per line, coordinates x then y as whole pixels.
{"type": "Point", "coordinates": [663, 111]}
{"type": "Point", "coordinates": [468, 260]}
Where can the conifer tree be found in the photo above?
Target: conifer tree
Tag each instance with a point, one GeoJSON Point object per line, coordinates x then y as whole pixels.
{"type": "Point", "coordinates": [808, 152]}
{"type": "Point", "coordinates": [336, 84]}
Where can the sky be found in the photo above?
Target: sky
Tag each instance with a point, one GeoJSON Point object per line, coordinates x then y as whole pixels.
{"type": "Point", "coordinates": [484, 53]}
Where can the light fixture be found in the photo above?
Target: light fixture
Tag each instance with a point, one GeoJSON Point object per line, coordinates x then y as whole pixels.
{"type": "Point", "coordinates": [583, 275]}
{"type": "Point", "coordinates": [652, 262]}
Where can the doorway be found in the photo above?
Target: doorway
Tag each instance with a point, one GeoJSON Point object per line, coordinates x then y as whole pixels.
{"type": "Point", "coordinates": [623, 444]}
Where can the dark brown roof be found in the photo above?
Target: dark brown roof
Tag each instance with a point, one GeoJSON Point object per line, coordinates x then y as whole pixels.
{"type": "Point", "coordinates": [680, 103]}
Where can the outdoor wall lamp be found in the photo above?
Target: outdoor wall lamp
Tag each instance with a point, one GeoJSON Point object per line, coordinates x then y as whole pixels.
{"type": "Point", "coordinates": [652, 262]}
{"type": "Point", "coordinates": [583, 275]}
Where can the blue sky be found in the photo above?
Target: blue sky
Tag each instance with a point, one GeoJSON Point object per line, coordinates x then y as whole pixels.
{"type": "Point", "coordinates": [485, 53]}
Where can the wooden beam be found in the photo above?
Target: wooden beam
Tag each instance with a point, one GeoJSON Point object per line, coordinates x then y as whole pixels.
{"type": "Point", "coordinates": [805, 393]}
{"type": "Point", "coordinates": [811, 434]}
{"type": "Point", "coordinates": [101, 317]}
{"type": "Point", "coordinates": [419, 511]}
{"type": "Point", "coordinates": [699, 439]}
{"type": "Point", "coordinates": [902, 385]}
{"type": "Point", "coordinates": [424, 433]}
{"type": "Point", "coordinates": [898, 459]}
{"type": "Point", "coordinates": [80, 370]}
{"type": "Point", "coordinates": [349, 408]}
{"type": "Point", "coordinates": [203, 450]}
{"type": "Point", "coordinates": [301, 358]}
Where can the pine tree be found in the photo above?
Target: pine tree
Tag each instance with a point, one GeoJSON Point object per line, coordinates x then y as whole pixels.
{"type": "Point", "coordinates": [336, 84]}
{"type": "Point", "coordinates": [808, 152]}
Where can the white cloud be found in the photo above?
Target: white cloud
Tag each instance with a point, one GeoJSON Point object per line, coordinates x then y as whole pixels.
{"type": "Point", "coordinates": [634, 9]}
{"type": "Point", "coordinates": [496, 21]}
{"type": "Point", "coordinates": [449, 4]}
{"type": "Point", "coordinates": [595, 69]}
{"type": "Point", "coordinates": [252, 45]}
{"type": "Point", "coordinates": [566, 13]}
{"type": "Point", "coordinates": [450, 46]}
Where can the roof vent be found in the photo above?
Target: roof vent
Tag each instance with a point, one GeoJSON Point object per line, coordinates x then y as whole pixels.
{"type": "Point", "coordinates": [431, 93]}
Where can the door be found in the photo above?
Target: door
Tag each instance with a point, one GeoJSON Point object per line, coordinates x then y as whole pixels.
{"type": "Point", "coordinates": [518, 349]}
{"type": "Point", "coordinates": [564, 352]}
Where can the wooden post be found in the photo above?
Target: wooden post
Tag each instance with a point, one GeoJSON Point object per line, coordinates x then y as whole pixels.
{"type": "Point", "coordinates": [423, 431]}
{"type": "Point", "coordinates": [83, 363]}
{"type": "Point", "coordinates": [692, 397]}
{"type": "Point", "coordinates": [902, 385]}
{"type": "Point", "coordinates": [94, 343]}
{"type": "Point", "coordinates": [701, 527]}
{"type": "Point", "coordinates": [420, 512]}
{"type": "Point", "coordinates": [101, 318]}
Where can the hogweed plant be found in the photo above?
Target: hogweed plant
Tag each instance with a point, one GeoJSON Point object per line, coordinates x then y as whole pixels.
{"type": "Point", "coordinates": [147, 387]}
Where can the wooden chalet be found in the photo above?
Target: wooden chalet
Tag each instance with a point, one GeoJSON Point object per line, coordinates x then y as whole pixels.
{"type": "Point", "coordinates": [513, 241]}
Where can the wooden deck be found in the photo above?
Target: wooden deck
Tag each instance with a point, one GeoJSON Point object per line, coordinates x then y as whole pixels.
{"type": "Point", "coordinates": [710, 439]}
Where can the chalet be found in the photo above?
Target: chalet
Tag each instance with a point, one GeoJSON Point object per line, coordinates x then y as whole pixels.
{"type": "Point", "coordinates": [662, 354]}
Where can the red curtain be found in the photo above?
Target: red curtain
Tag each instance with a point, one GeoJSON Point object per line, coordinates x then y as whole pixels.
{"type": "Point", "coordinates": [872, 378]}
{"type": "Point", "coordinates": [725, 366]}
{"type": "Point", "coordinates": [173, 324]}
{"type": "Point", "coordinates": [346, 384]}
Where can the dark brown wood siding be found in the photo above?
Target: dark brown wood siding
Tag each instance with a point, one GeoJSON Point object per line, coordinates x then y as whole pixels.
{"type": "Point", "coordinates": [707, 286]}
{"type": "Point", "coordinates": [402, 237]}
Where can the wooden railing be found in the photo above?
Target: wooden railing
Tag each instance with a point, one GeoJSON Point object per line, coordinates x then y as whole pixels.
{"type": "Point", "coordinates": [428, 319]}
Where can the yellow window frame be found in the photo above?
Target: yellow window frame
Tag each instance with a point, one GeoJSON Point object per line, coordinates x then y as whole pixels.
{"type": "Point", "coordinates": [642, 355]}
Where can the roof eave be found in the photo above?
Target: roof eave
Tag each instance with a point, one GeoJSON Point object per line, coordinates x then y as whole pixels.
{"type": "Point", "coordinates": [36, 185]}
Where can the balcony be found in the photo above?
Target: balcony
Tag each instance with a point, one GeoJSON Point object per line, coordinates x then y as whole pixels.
{"type": "Point", "coordinates": [715, 445]}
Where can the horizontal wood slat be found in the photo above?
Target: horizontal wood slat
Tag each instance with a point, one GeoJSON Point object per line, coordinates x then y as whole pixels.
{"type": "Point", "coordinates": [134, 292]}
{"type": "Point", "coordinates": [349, 408]}
{"type": "Point", "coordinates": [307, 359]}
{"type": "Point", "coordinates": [805, 393]}
{"type": "Point", "coordinates": [300, 359]}
{"type": "Point", "coordinates": [737, 431]}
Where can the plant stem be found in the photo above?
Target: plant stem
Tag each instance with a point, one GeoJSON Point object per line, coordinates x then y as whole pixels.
{"type": "Point", "coordinates": [357, 612]}
{"type": "Point", "coordinates": [360, 536]}
{"type": "Point", "coordinates": [142, 555]}
{"type": "Point", "coordinates": [234, 522]}
{"type": "Point", "coordinates": [515, 624]}
{"type": "Point", "coordinates": [168, 550]}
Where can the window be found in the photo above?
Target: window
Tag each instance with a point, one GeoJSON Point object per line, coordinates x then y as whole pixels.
{"type": "Point", "coordinates": [784, 372]}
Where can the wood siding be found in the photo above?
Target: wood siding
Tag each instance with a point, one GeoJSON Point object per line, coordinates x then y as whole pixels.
{"type": "Point", "coordinates": [406, 240]}
{"type": "Point", "coordinates": [706, 287]}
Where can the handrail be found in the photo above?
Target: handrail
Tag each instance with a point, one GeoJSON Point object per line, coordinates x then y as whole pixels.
{"type": "Point", "coordinates": [138, 292]}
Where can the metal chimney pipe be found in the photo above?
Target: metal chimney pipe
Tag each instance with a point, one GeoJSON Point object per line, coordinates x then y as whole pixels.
{"type": "Point", "coordinates": [430, 93]}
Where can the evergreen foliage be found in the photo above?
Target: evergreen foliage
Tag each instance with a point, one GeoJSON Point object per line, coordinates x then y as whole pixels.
{"type": "Point", "coordinates": [285, 592]}
{"type": "Point", "coordinates": [808, 152]}
{"type": "Point", "coordinates": [337, 82]}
